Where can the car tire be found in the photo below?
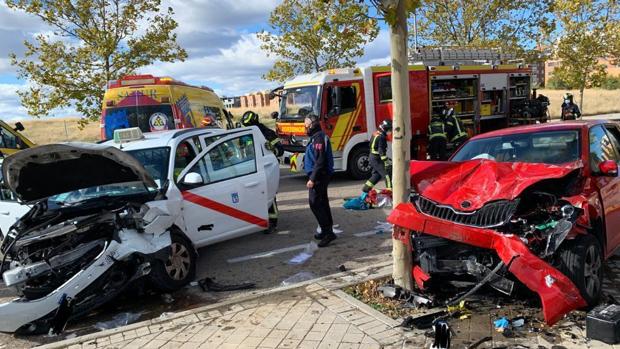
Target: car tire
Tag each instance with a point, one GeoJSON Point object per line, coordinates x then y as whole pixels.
{"type": "Point", "coordinates": [179, 269]}
{"type": "Point", "coordinates": [359, 163]}
{"type": "Point", "coordinates": [581, 260]}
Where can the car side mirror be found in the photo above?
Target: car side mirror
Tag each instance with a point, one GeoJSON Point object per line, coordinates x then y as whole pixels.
{"type": "Point", "coordinates": [608, 168]}
{"type": "Point", "coordinates": [19, 127]}
{"type": "Point", "coordinates": [193, 178]}
{"type": "Point", "coordinates": [275, 115]}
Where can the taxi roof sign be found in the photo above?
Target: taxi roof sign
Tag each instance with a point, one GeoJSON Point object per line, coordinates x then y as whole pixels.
{"type": "Point", "coordinates": [123, 135]}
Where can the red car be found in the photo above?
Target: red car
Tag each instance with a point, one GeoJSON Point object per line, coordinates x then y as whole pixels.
{"type": "Point", "coordinates": [539, 205]}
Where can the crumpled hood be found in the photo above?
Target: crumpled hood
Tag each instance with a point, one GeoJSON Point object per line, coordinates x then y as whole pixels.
{"type": "Point", "coordinates": [480, 181]}
{"type": "Point", "coordinates": [40, 172]}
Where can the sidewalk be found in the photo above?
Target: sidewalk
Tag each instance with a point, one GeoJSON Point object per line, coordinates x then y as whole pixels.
{"type": "Point", "coordinates": [314, 314]}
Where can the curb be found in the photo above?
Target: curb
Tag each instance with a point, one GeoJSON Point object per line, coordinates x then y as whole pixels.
{"type": "Point", "coordinates": [329, 282]}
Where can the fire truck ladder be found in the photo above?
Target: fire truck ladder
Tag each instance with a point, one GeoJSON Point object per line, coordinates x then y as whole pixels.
{"type": "Point", "coordinates": [452, 56]}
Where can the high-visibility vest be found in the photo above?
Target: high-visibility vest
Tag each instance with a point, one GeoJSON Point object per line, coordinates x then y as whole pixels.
{"type": "Point", "coordinates": [437, 129]}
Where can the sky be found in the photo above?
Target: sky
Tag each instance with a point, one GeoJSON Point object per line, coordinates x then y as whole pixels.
{"type": "Point", "coordinates": [219, 36]}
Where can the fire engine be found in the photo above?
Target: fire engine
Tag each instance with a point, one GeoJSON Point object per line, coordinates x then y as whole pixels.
{"type": "Point", "coordinates": [352, 102]}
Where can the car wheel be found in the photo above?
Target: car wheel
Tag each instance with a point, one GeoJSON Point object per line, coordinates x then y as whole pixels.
{"type": "Point", "coordinates": [180, 267]}
{"type": "Point", "coordinates": [359, 163]}
{"type": "Point", "coordinates": [582, 261]}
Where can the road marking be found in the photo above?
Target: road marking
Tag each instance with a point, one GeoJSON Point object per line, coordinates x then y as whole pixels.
{"type": "Point", "coordinates": [267, 253]}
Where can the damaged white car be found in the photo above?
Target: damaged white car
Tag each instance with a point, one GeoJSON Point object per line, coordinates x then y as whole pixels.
{"type": "Point", "coordinates": [103, 217]}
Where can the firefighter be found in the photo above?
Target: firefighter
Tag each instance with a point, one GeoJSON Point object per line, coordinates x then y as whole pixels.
{"type": "Point", "coordinates": [570, 110]}
{"type": "Point", "coordinates": [379, 161]}
{"type": "Point", "coordinates": [437, 138]}
{"type": "Point", "coordinates": [454, 127]}
{"type": "Point", "coordinates": [319, 166]}
{"type": "Point", "coordinates": [250, 118]}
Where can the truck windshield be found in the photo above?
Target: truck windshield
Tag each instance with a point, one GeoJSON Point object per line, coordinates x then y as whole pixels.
{"type": "Point", "coordinates": [554, 147]}
{"type": "Point", "coordinates": [296, 103]}
{"type": "Point", "coordinates": [149, 118]}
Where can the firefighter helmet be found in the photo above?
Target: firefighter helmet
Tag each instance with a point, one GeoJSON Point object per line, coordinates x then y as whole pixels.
{"type": "Point", "coordinates": [386, 126]}
{"type": "Point", "coordinates": [249, 118]}
{"type": "Point", "coordinates": [568, 96]}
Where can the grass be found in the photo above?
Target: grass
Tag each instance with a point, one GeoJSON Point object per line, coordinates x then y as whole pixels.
{"type": "Point", "coordinates": [52, 130]}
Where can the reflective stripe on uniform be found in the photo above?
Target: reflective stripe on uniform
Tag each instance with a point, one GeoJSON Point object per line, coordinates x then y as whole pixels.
{"type": "Point", "coordinates": [372, 145]}
{"type": "Point", "coordinates": [384, 157]}
{"type": "Point", "coordinates": [369, 184]}
{"type": "Point", "coordinates": [275, 141]}
{"type": "Point", "coordinates": [435, 135]}
{"type": "Point", "coordinates": [388, 182]}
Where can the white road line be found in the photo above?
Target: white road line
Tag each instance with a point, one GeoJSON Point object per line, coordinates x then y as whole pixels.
{"type": "Point", "coordinates": [267, 254]}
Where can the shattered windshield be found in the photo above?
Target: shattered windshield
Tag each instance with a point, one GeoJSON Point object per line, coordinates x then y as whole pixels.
{"type": "Point", "coordinates": [296, 103]}
{"type": "Point", "coordinates": [552, 147]}
{"type": "Point", "coordinates": [100, 191]}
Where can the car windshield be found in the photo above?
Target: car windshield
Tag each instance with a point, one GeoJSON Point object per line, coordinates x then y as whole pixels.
{"type": "Point", "coordinates": [155, 161]}
{"type": "Point", "coordinates": [552, 147]}
{"type": "Point", "coordinates": [149, 118]}
{"type": "Point", "coordinates": [296, 103]}
{"type": "Point", "coordinates": [100, 191]}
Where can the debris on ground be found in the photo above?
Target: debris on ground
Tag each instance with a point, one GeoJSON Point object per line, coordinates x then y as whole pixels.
{"type": "Point", "coordinates": [121, 319]}
{"type": "Point", "coordinates": [603, 323]}
{"type": "Point", "coordinates": [208, 284]}
{"type": "Point", "coordinates": [335, 229]}
{"type": "Point", "coordinates": [297, 278]}
{"type": "Point", "coordinates": [501, 324]}
{"type": "Point", "coordinates": [167, 298]}
{"type": "Point", "coordinates": [380, 228]}
{"type": "Point", "coordinates": [342, 268]}
{"type": "Point", "coordinates": [356, 203]}
{"type": "Point", "coordinates": [518, 322]}
{"type": "Point", "coordinates": [423, 322]}
{"type": "Point", "coordinates": [306, 254]}
{"type": "Point", "coordinates": [478, 342]}
{"type": "Point", "coordinates": [165, 315]}
{"type": "Point", "coordinates": [442, 335]}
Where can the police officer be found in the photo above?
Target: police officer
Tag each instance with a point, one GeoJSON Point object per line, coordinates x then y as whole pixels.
{"type": "Point", "coordinates": [570, 110]}
{"type": "Point", "coordinates": [319, 166]}
{"type": "Point", "coordinates": [250, 118]}
{"type": "Point", "coordinates": [437, 138]}
{"type": "Point", "coordinates": [454, 127]}
{"type": "Point", "coordinates": [379, 161]}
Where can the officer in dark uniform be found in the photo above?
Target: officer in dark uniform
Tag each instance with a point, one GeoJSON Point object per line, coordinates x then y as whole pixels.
{"type": "Point", "coordinates": [319, 166]}
{"type": "Point", "coordinates": [250, 118]}
{"type": "Point", "coordinates": [379, 161]}
{"type": "Point", "coordinates": [437, 138]}
{"type": "Point", "coordinates": [570, 110]}
{"type": "Point", "coordinates": [454, 128]}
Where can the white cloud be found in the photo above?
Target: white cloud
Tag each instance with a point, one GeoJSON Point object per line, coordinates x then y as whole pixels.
{"type": "Point", "coordinates": [18, 20]}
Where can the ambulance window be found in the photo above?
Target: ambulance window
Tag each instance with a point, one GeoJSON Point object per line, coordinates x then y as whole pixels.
{"type": "Point", "coordinates": [231, 159]}
{"type": "Point", "coordinates": [385, 89]}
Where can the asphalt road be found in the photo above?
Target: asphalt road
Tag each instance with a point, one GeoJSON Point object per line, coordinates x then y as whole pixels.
{"type": "Point", "coordinates": [296, 227]}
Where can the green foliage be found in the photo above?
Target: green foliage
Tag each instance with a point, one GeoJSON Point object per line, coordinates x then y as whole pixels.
{"type": "Point", "coordinates": [589, 33]}
{"type": "Point", "coordinates": [94, 41]}
{"type": "Point", "coordinates": [554, 83]}
{"type": "Point", "coordinates": [511, 25]}
{"type": "Point", "coordinates": [611, 83]}
{"type": "Point", "coordinates": [314, 35]}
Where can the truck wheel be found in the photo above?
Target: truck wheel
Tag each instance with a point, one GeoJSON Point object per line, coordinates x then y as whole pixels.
{"type": "Point", "coordinates": [179, 269]}
{"type": "Point", "coordinates": [359, 163]}
{"type": "Point", "coordinates": [581, 260]}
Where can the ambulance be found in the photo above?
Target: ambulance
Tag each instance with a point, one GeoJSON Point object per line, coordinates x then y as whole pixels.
{"type": "Point", "coordinates": [352, 102]}
{"type": "Point", "coordinates": [159, 103]}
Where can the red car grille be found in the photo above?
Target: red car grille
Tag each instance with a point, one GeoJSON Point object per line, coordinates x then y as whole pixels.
{"type": "Point", "coordinates": [492, 214]}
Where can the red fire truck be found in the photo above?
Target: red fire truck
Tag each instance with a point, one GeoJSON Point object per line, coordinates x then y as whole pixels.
{"type": "Point", "coordinates": [352, 102]}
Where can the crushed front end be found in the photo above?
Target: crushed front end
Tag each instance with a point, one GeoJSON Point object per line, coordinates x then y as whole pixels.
{"type": "Point", "coordinates": [503, 240]}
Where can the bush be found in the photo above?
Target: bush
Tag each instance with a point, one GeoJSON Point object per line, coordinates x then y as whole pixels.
{"type": "Point", "coordinates": [611, 83]}
{"type": "Point", "coordinates": [555, 83]}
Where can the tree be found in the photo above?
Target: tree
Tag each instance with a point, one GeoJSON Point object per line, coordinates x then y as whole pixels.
{"type": "Point", "coordinates": [314, 35]}
{"type": "Point", "coordinates": [94, 41]}
{"type": "Point", "coordinates": [396, 13]}
{"type": "Point", "coordinates": [589, 32]}
{"type": "Point", "coordinates": [511, 25]}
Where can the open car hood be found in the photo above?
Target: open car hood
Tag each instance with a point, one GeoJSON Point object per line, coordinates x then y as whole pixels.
{"type": "Point", "coordinates": [40, 172]}
{"type": "Point", "coordinates": [468, 185]}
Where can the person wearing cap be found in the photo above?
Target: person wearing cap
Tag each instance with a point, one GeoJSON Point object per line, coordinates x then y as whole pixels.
{"type": "Point", "coordinates": [319, 166]}
{"type": "Point", "coordinates": [379, 161]}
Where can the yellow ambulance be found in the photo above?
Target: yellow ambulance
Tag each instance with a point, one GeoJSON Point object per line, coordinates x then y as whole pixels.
{"type": "Point", "coordinates": [159, 103]}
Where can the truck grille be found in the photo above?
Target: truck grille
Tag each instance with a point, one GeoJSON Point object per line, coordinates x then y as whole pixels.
{"type": "Point", "coordinates": [490, 215]}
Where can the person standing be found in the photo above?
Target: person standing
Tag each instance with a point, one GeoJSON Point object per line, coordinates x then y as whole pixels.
{"type": "Point", "coordinates": [454, 128]}
{"type": "Point", "coordinates": [437, 138]}
{"type": "Point", "coordinates": [319, 166]}
{"type": "Point", "coordinates": [570, 110]}
{"type": "Point", "coordinates": [379, 161]}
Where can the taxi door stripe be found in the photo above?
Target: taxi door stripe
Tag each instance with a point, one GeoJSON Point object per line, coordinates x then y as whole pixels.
{"type": "Point", "coordinates": [227, 210]}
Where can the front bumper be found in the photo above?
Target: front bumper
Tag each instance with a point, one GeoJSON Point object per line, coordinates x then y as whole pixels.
{"type": "Point", "coordinates": [558, 294]}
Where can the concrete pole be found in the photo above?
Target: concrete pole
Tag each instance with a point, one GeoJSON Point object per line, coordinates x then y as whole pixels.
{"type": "Point", "coordinates": [401, 137]}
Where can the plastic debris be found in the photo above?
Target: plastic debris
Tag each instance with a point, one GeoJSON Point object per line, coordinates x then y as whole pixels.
{"type": "Point", "coordinates": [380, 228]}
{"type": "Point", "coordinates": [208, 284]}
{"type": "Point", "coordinates": [167, 298]}
{"type": "Point", "coordinates": [501, 324]}
{"type": "Point", "coordinates": [297, 278]}
{"type": "Point", "coordinates": [358, 203]}
{"type": "Point", "coordinates": [166, 315]}
{"type": "Point", "coordinates": [302, 257]}
{"type": "Point", "coordinates": [121, 319]}
{"type": "Point", "coordinates": [518, 322]}
{"type": "Point", "coordinates": [389, 291]}
{"type": "Point", "coordinates": [424, 321]}
{"type": "Point", "coordinates": [442, 335]}
{"type": "Point", "coordinates": [334, 229]}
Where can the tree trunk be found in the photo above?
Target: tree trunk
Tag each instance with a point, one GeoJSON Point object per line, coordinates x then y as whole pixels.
{"type": "Point", "coordinates": [401, 137]}
{"type": "Point", "coordinates": [581, 100]}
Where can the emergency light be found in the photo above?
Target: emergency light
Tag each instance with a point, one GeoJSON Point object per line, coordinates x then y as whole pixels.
{"type": "Point", "coordinates": [124, 135]}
